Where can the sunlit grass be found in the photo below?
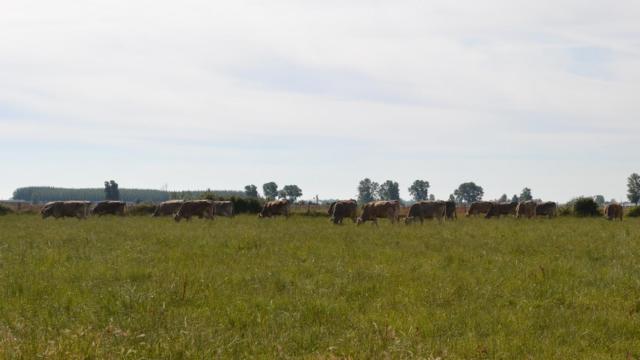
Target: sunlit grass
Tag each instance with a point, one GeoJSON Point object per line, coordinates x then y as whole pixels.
{"type": "Point", "coordinates": [140, 287]}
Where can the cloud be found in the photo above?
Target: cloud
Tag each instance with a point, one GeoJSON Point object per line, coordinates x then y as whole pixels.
{"type": "Point", "coordinates": [298, 90]}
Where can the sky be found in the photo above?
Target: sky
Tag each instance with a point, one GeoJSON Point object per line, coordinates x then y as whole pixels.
{"type": "Point", "coordinates": [221, 94]}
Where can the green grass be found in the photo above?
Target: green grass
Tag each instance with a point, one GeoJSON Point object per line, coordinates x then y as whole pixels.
{"type": "Point", "coordinates": [139, 287]}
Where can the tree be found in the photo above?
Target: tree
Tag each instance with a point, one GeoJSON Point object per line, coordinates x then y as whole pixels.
{"type": "Point", "coordinates": [452, 198]}
{"type": "Point", "coordinates": [599, 199]}
{"type": "Point", "coordinates": [389, 190]}
{"type": "Point", "coordinates": [468, 192]}
{"type": "Point", "coordinates": [633, 186]}
{"type": "Point", "coordinates": [111, 191]}
{"type": "Point", "coordinates": [292, 192]}
{"type": "Point", "coordinates": [526, 194]}
{"type": "Point", "coordinates": [367, 190]}
{"type": "Point", "coordinates": [270, 190]}
{"type": "Point", "coordinates": [251, 191]}
{"type": "Point", "coordinates": [503, 198]}
{"type": "Point", "coordinates": [419, 190]}
{"type": "Point", "coordinates": [432, 197]}
{"type": "Point", "coordinates": [515, 199]}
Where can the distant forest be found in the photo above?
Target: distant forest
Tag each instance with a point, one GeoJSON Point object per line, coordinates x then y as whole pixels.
{"type": "Point", "coordinates": [42, 194]}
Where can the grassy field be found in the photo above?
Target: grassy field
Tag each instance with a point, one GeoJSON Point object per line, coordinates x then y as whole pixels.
{"type": "Point", "coordinates": [241, 288]}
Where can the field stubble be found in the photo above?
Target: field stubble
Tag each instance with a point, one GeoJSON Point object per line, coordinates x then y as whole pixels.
{"type": "Point", "coordinates": [139, 287]}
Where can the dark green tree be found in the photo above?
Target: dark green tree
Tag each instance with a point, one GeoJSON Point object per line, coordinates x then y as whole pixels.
{"type": "Point", "coordinates": [633, 188]}
{"type": "Point", "coordinates": [452, 197]}
{"type": "Point", "coordinates": [389, 190]}
{"type": "Point", "coordinates": [270, 190]}
{"type": "Point", "coordinates": [503, 198]}
{"type": "Point", "coordinates": [367, 190]}
{"type": "Point", "coordinates": [251, 191]}
{"type": "Point", "coordinates": [419, 190]}
{"type": "Point", "coordinates": [111, 191]}
{"type": "Point", "coordinates": [292, 192]}
{"type": "Point", "coordinates": [599, 199]}
{"type": "Point", "coordinates": [468, 192]}
{"type": "Point", "coordinates": [432, 197]}
{"type": "Point", "coordinates": [526, 194]}
{"type": "Point", "coordinates": [515, 199]}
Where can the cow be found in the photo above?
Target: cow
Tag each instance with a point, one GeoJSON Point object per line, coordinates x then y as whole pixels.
{"type": "Point", "coordinates": [167, 208]}
{"type": "Point", "coordinates": [526, 208]}
{"type": "Point", "coordinates": [503, 208]}
{"type": "Point", "coordinates": [479, 207]}
{"type": "Point", "coordinates": [548, 209]}
{"type": "Point", "coordinates": [61, 209]}
{"type": "Point", "coordinates": [427, 210]}
{"type": "Point", "coordinates": [451, 210]}
{"type": "Point", "coordinates": [613, 211]}
{"type": "Point", "coordinates": [375, 209]}
{"type": "Point", "coordinates": [223, 208]}
{"type": "Point", "coordinates": [199, 208]}
{"type": "Point", "coordinates": [343, 209]}
{"type": "Point", "coordinates": [275, 208]}
{"type": "Point", "coordinates": [109, 208]}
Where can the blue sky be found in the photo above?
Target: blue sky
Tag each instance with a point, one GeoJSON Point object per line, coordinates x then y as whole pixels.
{"type": "Point", "coordinates": [202, 94]}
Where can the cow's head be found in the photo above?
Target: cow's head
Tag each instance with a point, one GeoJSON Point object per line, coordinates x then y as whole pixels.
{"type": "Point", "coordinates": [46, 212]}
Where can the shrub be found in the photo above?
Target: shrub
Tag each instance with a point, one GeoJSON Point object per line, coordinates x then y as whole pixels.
{"type": "Point", "coordinates": [634, 212]}
{"type": "Point", "coordinates": [4, 210]}
{"type": "Point", "coordinates": [141, 209]}
{"type": "Point", "coordinates": [586, 206]}
{"type": "Point", "coordinates": [565, 210]}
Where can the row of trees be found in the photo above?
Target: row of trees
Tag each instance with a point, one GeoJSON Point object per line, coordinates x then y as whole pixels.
{"type": "Point", "coordinates": [271, 191]}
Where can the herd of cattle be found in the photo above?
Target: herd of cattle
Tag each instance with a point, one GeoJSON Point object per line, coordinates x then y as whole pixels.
{"type": "Point", "coordinates": [338, 210]}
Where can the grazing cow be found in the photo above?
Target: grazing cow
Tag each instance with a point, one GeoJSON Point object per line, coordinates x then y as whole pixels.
{"type": "Point", "coordinates": [199, 208]}
{"type": "Point", "coordinates": [613, 211]}
{"type": "Point", "coordinates": [58, 209]}
{"type": "Point", "coordinates": [451, 210]}
{"type": "Point", "coordinates": [504, 208]}
{"type": "Point", "coordinates": [109, 208]}
{"type": "Point", "coordinates": [427, 210]}
{"type": "Point", "coordinates": [275, 208]}
{"type": "Point", "coordinates": [548, 209]}
{"type": "Point", "coordinates": [223, 208]}
{"type": "Point", "coordinates": [479, 207]}
{"type": "Point", "coordinates": [343, 209]}
{"type": "Point", "coordinates": [167, 208]}
{"type": "Point", "coordinates": [380, 209]}
{"type": "Point", "coordinates": [526, 208]}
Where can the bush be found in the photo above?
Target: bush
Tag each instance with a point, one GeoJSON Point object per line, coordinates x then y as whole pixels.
{"type": "Point", "coordinates": [4, 210]}
{"type": "Point", "coordinates": [634, 212]}
{"type": "Point", "coordinates": [565, 210]}
{"type": "Point", "coordinates": [141, 209]}
{"type": "Point", "coordinates": [586, 206]}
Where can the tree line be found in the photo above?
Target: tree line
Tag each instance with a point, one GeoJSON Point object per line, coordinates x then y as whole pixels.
{"type": "Point", "coordinates": [368, 190]}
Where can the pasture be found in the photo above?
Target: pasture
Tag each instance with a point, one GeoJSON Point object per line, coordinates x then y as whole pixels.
{"type": "Point", "coordinates": [139, 287]}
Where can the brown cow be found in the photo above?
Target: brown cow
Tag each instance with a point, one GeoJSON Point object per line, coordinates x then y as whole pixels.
{"type": "Point", "coordinates": [427, 210]}
{"type": "Point", "coordinates": [343, 209]}
{"type": "Point", "coordinates": [223, 208]}
{"type": "Point", "coordinates": [613, 211]}
{"type": "Point", "coordinates": [548, 209]}
{"type": "Point", "coordinates": [61, 209]}
{"type": "Point", "coordinates": [109, 208]}
{"type": "Point", "coordinates": [451, 210]}
{"type": "Point", "coordinates": [168, 208]}
{"type": "Point", "coordinates": [526, 208]}
{"type": "Point", "coordinates": [380, 209]}
{"type": "Point", "coordinates": [503, 208]}
{"type": "Point", "coordinates": [479, 207]}
{"type": "Point", "coordinates": [199, 208]}
{"type": "Point", "coordinates": [275, 208]}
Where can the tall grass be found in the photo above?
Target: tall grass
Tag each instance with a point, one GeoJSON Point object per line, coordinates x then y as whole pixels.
{"type": "Point", "coordinates": [139, 287]}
